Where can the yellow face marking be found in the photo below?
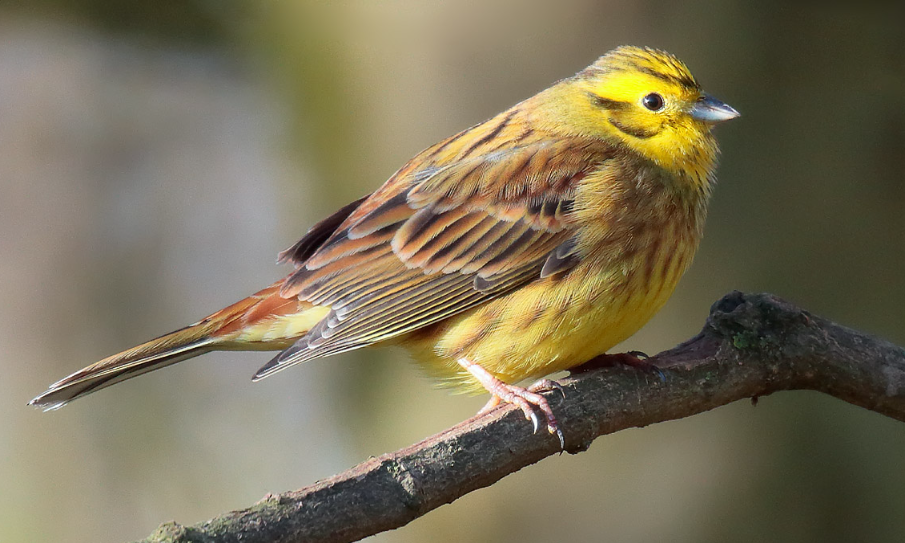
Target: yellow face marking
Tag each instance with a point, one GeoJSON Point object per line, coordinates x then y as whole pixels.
{"type": "Point", "coordinates": [607, 100]}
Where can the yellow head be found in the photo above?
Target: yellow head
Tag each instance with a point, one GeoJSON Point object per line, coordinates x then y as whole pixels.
{"type": "Point", "coordinates": [648, 101]}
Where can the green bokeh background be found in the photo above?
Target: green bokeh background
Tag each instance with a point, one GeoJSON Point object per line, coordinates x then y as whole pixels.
{"type": "Point", "coordinates": [154, 158]}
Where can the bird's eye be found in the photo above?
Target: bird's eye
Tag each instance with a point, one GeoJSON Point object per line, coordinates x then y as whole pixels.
{"type": "Point", "coordinates": [653, 101]}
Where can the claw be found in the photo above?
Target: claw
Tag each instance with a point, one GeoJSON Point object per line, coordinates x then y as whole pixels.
{"type": "Point", "coordinates": [528, 400]}
{"type": "Point", "coordinates": [641, 361]}
{"type": "Point", "coordinates": [643, 365]}
{"type": "Point", "coordinates": [534, 422]}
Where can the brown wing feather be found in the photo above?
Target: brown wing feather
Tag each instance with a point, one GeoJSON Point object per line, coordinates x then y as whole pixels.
{"type": "Point", "coordinates": [317, 235]}
{"type": "Point", "coordinates": [443, 235]}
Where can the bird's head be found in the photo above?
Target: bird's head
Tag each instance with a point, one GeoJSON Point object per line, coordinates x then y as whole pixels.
{"type": "Point", "coordinates": [648, 101]}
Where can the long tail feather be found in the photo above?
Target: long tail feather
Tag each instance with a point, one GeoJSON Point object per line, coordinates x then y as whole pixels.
{"type": "Point", "coordinates": [263, 321]}
{"type": "Point", "coordinates": [158, 353]}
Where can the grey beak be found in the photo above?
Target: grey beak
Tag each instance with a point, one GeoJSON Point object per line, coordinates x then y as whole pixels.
{"type": "Point", "coordinates": [711, 111]}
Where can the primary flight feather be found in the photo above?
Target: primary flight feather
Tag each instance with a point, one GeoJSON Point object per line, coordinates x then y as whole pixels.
{"type": "Point", "coordinates": [521, 246]}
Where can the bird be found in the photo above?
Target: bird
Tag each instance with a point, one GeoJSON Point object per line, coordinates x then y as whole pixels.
{"type": "Point", "coordinates": [524, 245]}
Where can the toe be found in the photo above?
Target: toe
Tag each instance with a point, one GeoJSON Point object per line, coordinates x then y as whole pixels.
{"type": "Point", "coordinates": [491, 404]}
{"type": "Point", "coordinates": [546, 385]}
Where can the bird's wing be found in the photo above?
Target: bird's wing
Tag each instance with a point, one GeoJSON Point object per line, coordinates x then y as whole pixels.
{"type": "Point", "coordinates": [437, 239]}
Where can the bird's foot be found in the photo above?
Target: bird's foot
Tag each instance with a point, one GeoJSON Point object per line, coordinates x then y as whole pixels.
{"type": "Point", "coordinates": [527, 399]}
{"type": "Point", "coordinates": [632, 359]}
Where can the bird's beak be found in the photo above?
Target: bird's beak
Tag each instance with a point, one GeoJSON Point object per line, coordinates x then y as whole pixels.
{"type": "Point", "coordinates": [712, 111]}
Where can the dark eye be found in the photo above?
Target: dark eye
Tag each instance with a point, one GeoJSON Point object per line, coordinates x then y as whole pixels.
{"type": "Point", "coordinates": [653, 101]}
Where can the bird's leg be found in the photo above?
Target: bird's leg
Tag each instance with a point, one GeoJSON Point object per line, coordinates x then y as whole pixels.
{"type": "Point", "coordinates": [526, 399]}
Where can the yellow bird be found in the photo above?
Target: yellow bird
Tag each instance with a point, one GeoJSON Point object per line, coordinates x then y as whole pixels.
{"type": "Point", "coordinates": [524, 245]}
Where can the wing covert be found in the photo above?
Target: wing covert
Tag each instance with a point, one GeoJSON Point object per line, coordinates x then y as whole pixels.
{"type": "Point", "coordinates": [437, 240]}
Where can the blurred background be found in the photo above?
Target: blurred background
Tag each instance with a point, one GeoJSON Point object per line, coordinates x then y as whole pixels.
{"type": "Point", "coordinates": [155, 157]}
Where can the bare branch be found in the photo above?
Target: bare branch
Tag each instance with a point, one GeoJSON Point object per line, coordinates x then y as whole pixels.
{"type": "Point", "coordinates": [752, 345]}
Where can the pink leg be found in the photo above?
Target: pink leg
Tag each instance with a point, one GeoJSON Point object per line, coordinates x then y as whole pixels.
{"type": "Point", "coordinates": [525, 399]}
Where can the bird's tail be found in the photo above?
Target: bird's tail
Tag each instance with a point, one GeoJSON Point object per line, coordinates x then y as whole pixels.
{"type": "Point", "coordinates": [263, 321]}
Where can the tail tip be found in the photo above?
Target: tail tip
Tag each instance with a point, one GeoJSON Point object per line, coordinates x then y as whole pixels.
{"type": "Point", "coordinates": [44, 404]}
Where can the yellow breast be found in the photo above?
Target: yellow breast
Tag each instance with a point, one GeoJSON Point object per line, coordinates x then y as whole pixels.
{"type": "Point", "coordinates": [632, 262]}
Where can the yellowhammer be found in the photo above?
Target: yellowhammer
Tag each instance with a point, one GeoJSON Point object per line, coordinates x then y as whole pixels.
{"type": "Point", "coordinates": [521, 246]}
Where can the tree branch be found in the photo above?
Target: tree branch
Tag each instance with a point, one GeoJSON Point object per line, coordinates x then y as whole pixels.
{"type": "Point", "coordinates": [752, 345]}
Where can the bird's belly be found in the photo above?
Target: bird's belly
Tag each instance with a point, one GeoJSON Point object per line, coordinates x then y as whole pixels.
{"type": "Point", "coordinates": [547, 326]}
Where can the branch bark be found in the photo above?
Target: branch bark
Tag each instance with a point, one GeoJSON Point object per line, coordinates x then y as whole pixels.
{"type": "Point", "coordinates": [752, 345]}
